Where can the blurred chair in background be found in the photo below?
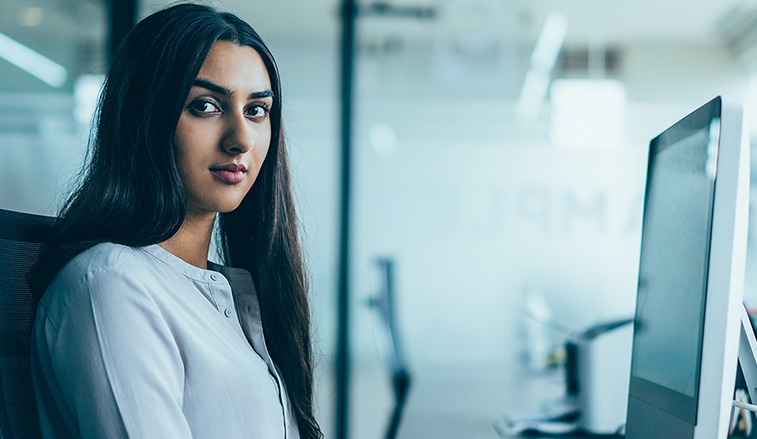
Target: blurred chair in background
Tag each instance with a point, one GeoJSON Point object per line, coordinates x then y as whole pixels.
{"type": "Point", "coordinates": [383, 303]}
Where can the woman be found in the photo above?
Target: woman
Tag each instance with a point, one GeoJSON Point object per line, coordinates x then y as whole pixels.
{"type": "Point", "coordinates": [136, 334]}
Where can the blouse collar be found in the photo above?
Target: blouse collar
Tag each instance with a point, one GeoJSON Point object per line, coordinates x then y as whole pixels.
{"type": "Point", "coordinates": [181, 265]}
{"type": "Point", "coordinates": [193, 272]}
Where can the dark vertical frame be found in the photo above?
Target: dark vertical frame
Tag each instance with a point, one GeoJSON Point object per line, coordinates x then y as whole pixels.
{"type": "Point", "coordinates": [348, 16]}
{"type": "Point", "coordinates": [122, 16]}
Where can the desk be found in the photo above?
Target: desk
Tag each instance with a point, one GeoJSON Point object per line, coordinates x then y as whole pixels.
{"type": "Point", "coordinates": [464, 402]}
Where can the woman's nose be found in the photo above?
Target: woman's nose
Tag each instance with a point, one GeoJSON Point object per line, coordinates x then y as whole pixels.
{"type": "Point", "coordinates": [238, 138]}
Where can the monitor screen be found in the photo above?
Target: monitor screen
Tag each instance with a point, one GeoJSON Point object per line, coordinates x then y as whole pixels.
{"type": "Point", "coordinates": [674, 262]}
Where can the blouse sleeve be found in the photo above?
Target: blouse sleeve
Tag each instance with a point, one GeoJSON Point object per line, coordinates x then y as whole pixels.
{"type": "Point", "coordinates": [108, 361]}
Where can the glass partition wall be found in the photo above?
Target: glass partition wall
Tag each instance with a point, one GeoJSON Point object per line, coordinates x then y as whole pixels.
{"type": "Point", "coordinates": [500, 160]}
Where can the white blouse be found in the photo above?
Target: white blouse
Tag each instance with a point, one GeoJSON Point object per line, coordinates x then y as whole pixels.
{"type": "Point", "coordinates": [138, 343]}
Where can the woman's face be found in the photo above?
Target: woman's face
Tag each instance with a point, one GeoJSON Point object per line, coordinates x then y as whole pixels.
{"type": "Point", "coordinates": [224, 130]}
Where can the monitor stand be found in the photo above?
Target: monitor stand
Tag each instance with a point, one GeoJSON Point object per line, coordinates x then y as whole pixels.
{"type": "Point", "coordinates": [748, 360]}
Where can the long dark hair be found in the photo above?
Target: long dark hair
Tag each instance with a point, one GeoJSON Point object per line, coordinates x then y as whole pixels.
{"type": "Point", "coordinates": [131, 193]}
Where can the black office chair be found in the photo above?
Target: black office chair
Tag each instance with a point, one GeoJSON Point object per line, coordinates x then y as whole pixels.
{"type": "Point", "coordinates": [383, 303]}
{"type": "Point", "coordinates": [21, 238]}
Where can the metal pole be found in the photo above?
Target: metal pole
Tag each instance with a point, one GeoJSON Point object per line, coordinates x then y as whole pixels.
{"type": "Point", "coordinates": [122, 17]}
{"type": "Point", "coordinates": [349, 13]}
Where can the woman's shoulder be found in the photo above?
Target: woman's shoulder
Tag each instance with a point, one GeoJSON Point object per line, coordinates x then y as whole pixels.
{"type": "Point", "coordinates": [105, 257]}
{"type": "Point", "coordinates": [105, 264]}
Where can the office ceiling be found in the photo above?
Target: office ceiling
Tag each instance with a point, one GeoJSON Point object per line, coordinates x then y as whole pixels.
{"type": "Point", "coordinates": [53, 19]}
{"type": "Point", "coordinates": [612, 21]}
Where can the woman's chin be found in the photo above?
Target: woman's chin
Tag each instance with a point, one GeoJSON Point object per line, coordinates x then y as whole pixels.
{"type": "Point", "coordinates": [217, 206]}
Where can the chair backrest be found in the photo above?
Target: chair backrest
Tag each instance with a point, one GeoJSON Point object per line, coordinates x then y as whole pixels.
{"type": "Point", "coordinates": [21, 239]}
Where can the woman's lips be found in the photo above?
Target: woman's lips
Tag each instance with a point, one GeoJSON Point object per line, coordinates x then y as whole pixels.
{"type": "Point", "coordinates": [229, 174]}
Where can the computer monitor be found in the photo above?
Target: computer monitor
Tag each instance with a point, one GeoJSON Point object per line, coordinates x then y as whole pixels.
{"type": "Point", "coordinates": [691, 276]}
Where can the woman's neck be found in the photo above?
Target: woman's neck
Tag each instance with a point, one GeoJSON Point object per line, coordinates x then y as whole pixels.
{"type": "Point", "coordinates": [192, 242]}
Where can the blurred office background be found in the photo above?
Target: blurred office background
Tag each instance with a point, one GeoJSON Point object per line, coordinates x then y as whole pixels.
{"type": "Point", "coordinates": [499, 159]}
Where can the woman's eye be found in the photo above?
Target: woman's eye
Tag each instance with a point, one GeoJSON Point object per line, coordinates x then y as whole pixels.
{"type": "Point", "coordinates": [204, 107]}
{"type": "Point", "coordinates": [258, 111]}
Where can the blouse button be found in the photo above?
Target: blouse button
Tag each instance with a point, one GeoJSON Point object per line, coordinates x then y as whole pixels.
{"type": "Point", "coordinates": [213, 276]}
{"type": "Point", "coordinates": [227, 312]}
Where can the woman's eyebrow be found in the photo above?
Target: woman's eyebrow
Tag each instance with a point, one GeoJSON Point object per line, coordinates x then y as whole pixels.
{"type": "Point", "coordinates": [204, 83]}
